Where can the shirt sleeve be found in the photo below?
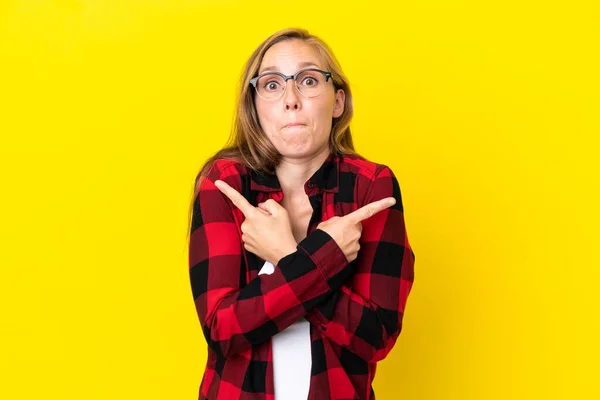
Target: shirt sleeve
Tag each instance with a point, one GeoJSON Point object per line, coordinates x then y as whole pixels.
{"type": "Point", "coordinates": [235, 315]}
{"type": "Point", "coordinates": [365, 315]}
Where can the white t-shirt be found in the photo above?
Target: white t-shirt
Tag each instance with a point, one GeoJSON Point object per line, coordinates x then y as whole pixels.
{"type": "Point", "coordinates": [291, 356]}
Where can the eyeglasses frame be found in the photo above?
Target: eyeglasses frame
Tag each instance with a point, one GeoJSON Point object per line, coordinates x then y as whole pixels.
{"type": "Point", "coordinates": [254, 81]}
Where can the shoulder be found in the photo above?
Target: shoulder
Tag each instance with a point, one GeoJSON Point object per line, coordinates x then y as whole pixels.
{"type": "Point", "coordinates": [361, 167]}
{"type": "Point", "coordinates": [233, 172]}
{"type": "Point", "coordinates": [225, 168]}
{"type": "Point", "coordinates": [371, 180]}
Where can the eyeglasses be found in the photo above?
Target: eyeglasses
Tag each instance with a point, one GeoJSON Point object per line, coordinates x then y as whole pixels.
{"type": "Point", "coordinates": [310, 82]}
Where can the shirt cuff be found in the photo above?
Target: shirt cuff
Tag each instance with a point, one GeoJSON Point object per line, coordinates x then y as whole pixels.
{"type": "Point", "coordinates": [327, 256]}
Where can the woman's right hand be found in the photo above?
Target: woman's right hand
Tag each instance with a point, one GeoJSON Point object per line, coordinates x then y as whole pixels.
{"type": "Point", "coordinates": [347, 230]}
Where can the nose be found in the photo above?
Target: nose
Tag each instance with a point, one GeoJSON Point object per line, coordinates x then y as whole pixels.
{"type": "Point", "coordinates": [291, 96]}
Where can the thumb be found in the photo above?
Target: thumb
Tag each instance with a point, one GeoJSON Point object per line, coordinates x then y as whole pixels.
{"type": "Point", "coordinates": [263, 209]}
{"type": "Point", "coordinates": [271, 206]}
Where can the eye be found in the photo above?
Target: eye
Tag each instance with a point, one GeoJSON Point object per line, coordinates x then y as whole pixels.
{"type": "Point", "coordinates": [309, 79]}
{"type": "Point", "coordinates": [271, 85]}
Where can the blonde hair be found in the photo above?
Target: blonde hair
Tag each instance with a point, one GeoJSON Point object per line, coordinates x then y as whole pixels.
{"type": "Point", "coordinates": [247, 141]}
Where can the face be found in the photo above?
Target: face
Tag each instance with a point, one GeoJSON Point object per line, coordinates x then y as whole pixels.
{"type": "Point", "coordinates": [314, 114]}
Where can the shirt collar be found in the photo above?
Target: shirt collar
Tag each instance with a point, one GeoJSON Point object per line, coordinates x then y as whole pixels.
{"type": "Point", "coordinates": [327, 177]}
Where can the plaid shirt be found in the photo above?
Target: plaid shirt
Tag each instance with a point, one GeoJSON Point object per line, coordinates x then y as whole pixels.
{"type": "Point", "coordinates": [355, 309]}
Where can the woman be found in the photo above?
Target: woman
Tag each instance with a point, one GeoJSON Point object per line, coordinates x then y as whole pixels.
{"type": "Point", "coordinates": [289, 307]}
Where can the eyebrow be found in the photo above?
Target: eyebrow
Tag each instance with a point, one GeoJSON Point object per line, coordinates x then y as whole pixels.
{"type": "Point", "coordinates": [301, 65]}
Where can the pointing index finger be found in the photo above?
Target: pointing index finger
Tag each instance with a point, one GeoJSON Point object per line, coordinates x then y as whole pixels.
{"type": "Point", "coordinates": [236, 198]}
{"type": "Point", "coordinates": [371, 209]}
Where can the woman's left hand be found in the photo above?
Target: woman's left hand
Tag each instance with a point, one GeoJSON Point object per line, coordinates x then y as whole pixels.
{"type": "Point", "coordinates": [267, 230]}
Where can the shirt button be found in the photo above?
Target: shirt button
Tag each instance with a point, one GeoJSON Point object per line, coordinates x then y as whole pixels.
{"type": "Point", "coordinates": [277, 196]}
{"type": "Point", "coordinates": [310, 184]}
{"type": "Point", "coordinates": [322, 327]}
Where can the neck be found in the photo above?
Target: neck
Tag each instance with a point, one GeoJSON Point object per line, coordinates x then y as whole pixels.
{"type": "Point", "coordinates": [293, 173]}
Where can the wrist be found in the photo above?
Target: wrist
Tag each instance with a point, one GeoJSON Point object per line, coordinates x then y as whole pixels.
{"type": "Point", "coordinates": [286, 251]}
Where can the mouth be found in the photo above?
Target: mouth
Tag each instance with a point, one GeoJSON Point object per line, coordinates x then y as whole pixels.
{"type": "Point", "coordinates": [293, 124]}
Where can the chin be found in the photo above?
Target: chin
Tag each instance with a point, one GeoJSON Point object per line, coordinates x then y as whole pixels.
{"type": "Point", "coordinates": [298, 145]}
{"type": "Point", "coordinates": [296, 151]}
{"type": "Point", "coordinates": [305, 151]}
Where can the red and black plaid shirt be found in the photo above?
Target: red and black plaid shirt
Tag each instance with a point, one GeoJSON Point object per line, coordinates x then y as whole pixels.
{"type": "Point", "coordinates": [355, 309]}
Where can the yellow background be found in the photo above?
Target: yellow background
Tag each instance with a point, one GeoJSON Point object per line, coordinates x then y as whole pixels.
{"type": "Point", "coordinates": [486, 111]}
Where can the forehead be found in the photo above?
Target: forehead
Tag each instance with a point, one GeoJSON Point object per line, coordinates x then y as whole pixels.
{"type": "Point", "coordinates": [289, 56]}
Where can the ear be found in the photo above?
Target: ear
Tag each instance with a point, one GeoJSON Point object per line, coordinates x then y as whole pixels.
{"type": "Point", "coordinates": [340, 99]}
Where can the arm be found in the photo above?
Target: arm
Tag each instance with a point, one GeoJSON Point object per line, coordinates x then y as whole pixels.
{"type": "Point", "coordinates": [234, 316]}
{"type": "Point", "coordinates": [366, 317]}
